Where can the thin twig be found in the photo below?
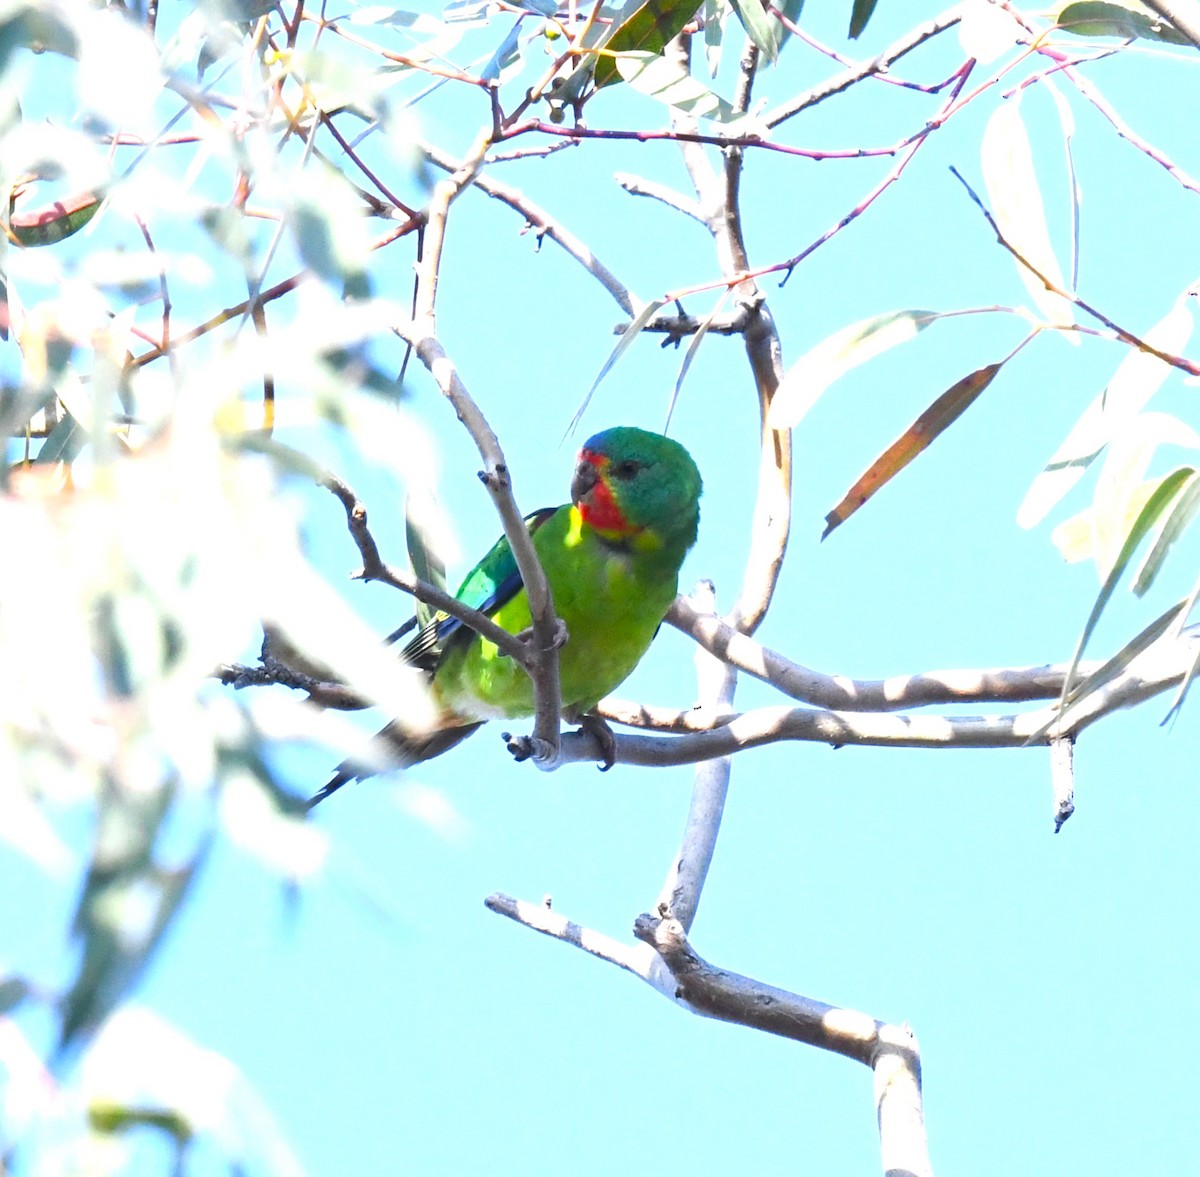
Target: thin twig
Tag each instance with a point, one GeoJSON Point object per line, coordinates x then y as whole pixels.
{"type": "Point", "coordinates": [1125, 336]}
{"type": "Point", "coordinates": [866, 69]}
{"type": "Point", "coordinates": [544, 224]}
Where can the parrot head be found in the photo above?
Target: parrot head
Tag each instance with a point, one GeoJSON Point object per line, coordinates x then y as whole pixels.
{"type": "Point", "coordinates": [630, 484]}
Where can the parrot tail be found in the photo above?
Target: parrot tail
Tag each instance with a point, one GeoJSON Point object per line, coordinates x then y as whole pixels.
{"type": "Point", "coordinates": [395, 748]}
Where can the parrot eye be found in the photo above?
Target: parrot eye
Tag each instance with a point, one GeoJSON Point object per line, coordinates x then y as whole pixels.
{"type": "Point", "coordinates": [627, 469]}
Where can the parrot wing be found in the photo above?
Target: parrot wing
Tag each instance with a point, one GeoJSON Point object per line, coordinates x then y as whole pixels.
{"type": "Point", "coordinates": [494, 581]}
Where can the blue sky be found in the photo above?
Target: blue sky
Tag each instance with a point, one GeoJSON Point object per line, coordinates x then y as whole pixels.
{"type": "Point", "coordinates": [391, 1024]}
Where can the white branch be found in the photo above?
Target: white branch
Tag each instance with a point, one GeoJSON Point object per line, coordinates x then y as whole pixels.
{"type": "Point", "coordinates": [680, 895]}
{"type": "Point", "coordinates": [667, 962]}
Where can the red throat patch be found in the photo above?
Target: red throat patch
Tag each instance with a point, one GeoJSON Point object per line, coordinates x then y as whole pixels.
{"type": "Point", "coordinates": [598, 507]}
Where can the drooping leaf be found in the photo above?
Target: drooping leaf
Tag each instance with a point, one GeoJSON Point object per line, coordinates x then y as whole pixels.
{"type": "Point", "coordinates": [933, 421]}
{"type": "Point", "coordinates": [760, 27]}
{"type": "Point", "coordinates": [859, 15]}
{"type": "Point", "coordinates": [833, 357]}
{"type": "Point", "coordinates": [715, 12]}
{"type": "Point", "coordinates": [1156, 505]}
{"type": "Point", "coordinates": [1066, 120]}
{"type": "Point", "coordinates": [692, 348]}
{"type": "Point", "coordinates": [1137, 378]}
{"type": "Point", "coordinates": [1012, 184]}
{"type": "Point", "coordinates": [1096, 18]}
{"type": "Point", "coordinates": [1119, 662]}
{"type": "Point", "coordinates": [508, 54]}
{"type": "Point", "coordinates": [627, 337]}
{"type": "Point", "coordinates": [427, 563]}
{"type": "Point", "coordinates": [1190, 674]}
{"type": "Point", "coordinates": [1176, 522]}
{"type": "Point", "coordinates": [670, 82]}
{"type": "Point", "coordinates": [643, 25]}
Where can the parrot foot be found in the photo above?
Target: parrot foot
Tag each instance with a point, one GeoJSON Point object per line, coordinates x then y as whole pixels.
{"type": "Point", "coordinates": [604, 735]}
{"type": "Point", "coordinates": [557, 640]}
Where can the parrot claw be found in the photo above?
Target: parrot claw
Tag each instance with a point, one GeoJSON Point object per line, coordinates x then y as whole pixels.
{"type": "Point", "coordinates": [557, 640]}
{"type": "Point", "coordinates": [604, 735]}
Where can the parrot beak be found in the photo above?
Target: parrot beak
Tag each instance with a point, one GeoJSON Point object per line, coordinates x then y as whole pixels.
{"type": "Point", "coordinates": [586, 476]}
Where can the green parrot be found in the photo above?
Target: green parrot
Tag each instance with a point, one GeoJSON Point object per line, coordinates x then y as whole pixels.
{"type": "Point", "coordinates": [612, 557]}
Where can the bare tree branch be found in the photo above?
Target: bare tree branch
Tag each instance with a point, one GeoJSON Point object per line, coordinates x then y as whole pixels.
{"type": "Point", "coordinates": [1158, 668]}
{"type": "Point", "coordinates": [545, 225]}
{"type": "Point", "coordinates": [671, 966]}
{"type": "Point", "coordinates": [842, 693]}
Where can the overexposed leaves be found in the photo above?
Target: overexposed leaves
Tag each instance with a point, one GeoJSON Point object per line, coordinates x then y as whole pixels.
{"type": "Point", "coordinates": [140, 1061]}
{"type": "Point", "coordinates": [288, 845]}
{"type": "Point", "coordinates": [1016, 197]}
{"type": "Point", "coordinates": [987, 31]}
{"type": "Point", "coordinates": [669, 82]}
{"type": "Point", "coordinates": [1138, 377]}
{"type": "Point", "coordinates": [1124, 470]}
{"type": "Point", "coordinates": [807, 379]}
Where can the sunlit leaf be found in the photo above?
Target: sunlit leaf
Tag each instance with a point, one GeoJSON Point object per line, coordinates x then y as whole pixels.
{"type": "Point", "coordinates": [859, 15]}
{"type": "Point", "coordinates": [833, 357]}
{"type": "Point", "coordinates": [1095, 18]}
{"type": "Point", "coordinates": [670, 82]}
{"type": "Point", "coordinates": [1137, 378]}
{"type": "Point", "coordinates": [1176, 522]}
{"type": "Point", "coordinates": [645, 26]}
{"type": "Point", "coordinates": [934, 420]}
{"type": "Point", "coordinates": [508, 54]}
{"type": "Point", "coordinates": [627, 337]}
{"type": "Point", "coordinates": [1016, 196]}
